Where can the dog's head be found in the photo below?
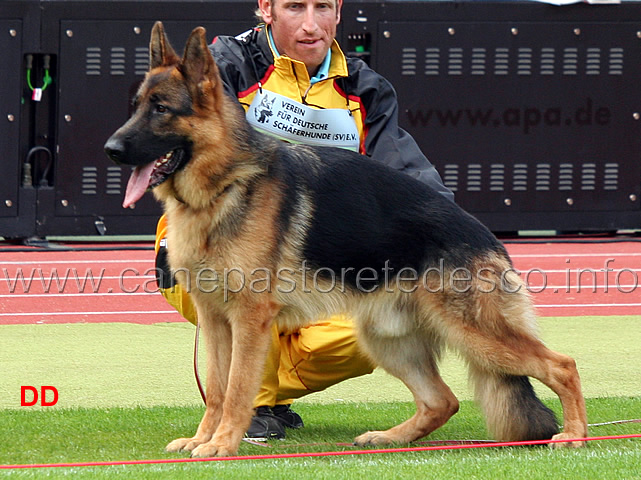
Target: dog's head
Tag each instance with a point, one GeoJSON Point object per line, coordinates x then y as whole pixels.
{"type": "Point", "coordinates": [158, 138]}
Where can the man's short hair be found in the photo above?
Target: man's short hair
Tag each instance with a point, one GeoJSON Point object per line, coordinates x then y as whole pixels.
{"type": "Point", "coordinates": [259, 16]}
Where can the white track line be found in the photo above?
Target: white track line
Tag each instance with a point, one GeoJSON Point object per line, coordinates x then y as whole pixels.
{"type": "Point", "coordinates": [66, 295]}
{"type": "Point", "coordinates": [587, 305]}
{"type": "Point", "coordinates": [95, 262]}
{"type": "Point", "coordinates": [543, 256]}
{"type": "Point", "coordinates": [168, 312]}
{"type": "Point", "coordinates": [125, 312]}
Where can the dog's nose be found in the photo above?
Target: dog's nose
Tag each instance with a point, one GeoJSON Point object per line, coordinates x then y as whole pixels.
{"type": "Point", "coordinates": [115, 150]}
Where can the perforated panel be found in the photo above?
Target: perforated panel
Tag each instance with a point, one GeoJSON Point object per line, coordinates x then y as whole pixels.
{"type": "Point", "coordinates": [525, 116]}
{"type": "Point", "coordinates": [117, 60]}
{"type": "Point", "coordinates": [503, 178]}
{"type": "Point", "coordinates": [455, 61]}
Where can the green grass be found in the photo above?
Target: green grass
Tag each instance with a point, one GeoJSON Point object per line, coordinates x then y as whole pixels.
{"type": "Point", "coordinates": [116, 434]}
{"type": "Point", "coordinates": [128, 365]}
{"type": "Point", "coordinates": [127, 390]}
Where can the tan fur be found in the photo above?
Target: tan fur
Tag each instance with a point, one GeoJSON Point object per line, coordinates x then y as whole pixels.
{"type": "Point", "coordinates": [402, 332]}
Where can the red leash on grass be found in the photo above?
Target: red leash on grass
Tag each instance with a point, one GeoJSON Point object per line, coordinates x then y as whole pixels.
{"type": "Point", "coordinates": [198, 382]}
{"type": "Point", "coordinates": [316, 454]}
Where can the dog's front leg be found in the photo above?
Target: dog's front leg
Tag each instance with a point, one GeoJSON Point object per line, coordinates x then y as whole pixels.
{"type": "Point", "coordinates": [251, 338]}
{"type": "Point", "coordinates": [216, 332]}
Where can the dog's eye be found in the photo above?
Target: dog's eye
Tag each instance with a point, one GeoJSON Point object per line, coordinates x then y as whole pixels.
{"type": "Point", "coordinates": [161, 108]}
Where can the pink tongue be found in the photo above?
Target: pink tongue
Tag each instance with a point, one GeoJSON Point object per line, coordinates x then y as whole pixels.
{"type": "Point", "coordinates": [138, 184]}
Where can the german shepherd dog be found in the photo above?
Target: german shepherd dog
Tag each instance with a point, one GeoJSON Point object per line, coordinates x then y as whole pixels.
{"type": "Point", "coordinates": [342, 233]}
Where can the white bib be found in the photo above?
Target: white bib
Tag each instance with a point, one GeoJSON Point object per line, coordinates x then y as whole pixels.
{"type": "Point", "coordinates": [294, 122]}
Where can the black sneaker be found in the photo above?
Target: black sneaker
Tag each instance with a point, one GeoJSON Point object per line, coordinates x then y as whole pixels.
{"type": "Point", "coordinates": [265, 425]}
{"type": "Point", "coordinates": [287, 416]}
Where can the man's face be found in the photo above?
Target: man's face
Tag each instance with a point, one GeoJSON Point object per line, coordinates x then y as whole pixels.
{"type": "Point", "coordinates": [302, 29]}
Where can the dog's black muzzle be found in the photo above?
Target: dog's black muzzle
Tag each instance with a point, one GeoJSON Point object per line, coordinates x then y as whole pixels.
{"type": "Point", "coordinates": [115, 150]}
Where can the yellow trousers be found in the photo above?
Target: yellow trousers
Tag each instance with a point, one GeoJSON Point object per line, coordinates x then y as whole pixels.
{"type": "Point", "coordinates": [300, 363]}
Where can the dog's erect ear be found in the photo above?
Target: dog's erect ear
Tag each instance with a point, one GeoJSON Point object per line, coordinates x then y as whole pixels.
{"type": "Point", "coordinates": [161, 54]}
{"type": "Point", "coordinates": [198, 65]}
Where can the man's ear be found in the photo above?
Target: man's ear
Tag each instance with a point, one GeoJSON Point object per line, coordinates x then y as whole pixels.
{"type": "Point", "coordinates": [161, 54]}
{"type": "Point", "coordinates": [198, 66]}
{"type": "Point", "coordinates": [339, 7]}
{"type": "Point", "coordinates": [265, 7]}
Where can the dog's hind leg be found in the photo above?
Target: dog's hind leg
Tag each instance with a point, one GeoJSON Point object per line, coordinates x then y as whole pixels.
{"type": "Point", "coordinates": [217, 335]}
{"type": "Point", "coordinates": [411, 358]}
{"type": "Point", "coordinates": [509, 365]}
{"type": "Point", "coordinates": [502, 349]}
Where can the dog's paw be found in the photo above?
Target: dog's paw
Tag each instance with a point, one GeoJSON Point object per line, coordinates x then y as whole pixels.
{"type": "Point", "coordinates": [211, 449]}
{"type": "Point", "coordinates": [373, 438]}
{"type": "Point", "coordinates": [567, 436]}
{"type": "Point", "coordinates": [184, 444]}
{"type": "Point", "coordinates": [177, 445]}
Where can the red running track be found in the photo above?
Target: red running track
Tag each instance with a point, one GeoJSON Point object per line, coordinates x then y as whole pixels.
{"type": "Point", "coordinates": [49, 286]}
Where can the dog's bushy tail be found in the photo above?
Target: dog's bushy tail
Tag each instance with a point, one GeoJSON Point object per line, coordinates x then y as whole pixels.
{"type": "Point", "coordinates": [512, 410]}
